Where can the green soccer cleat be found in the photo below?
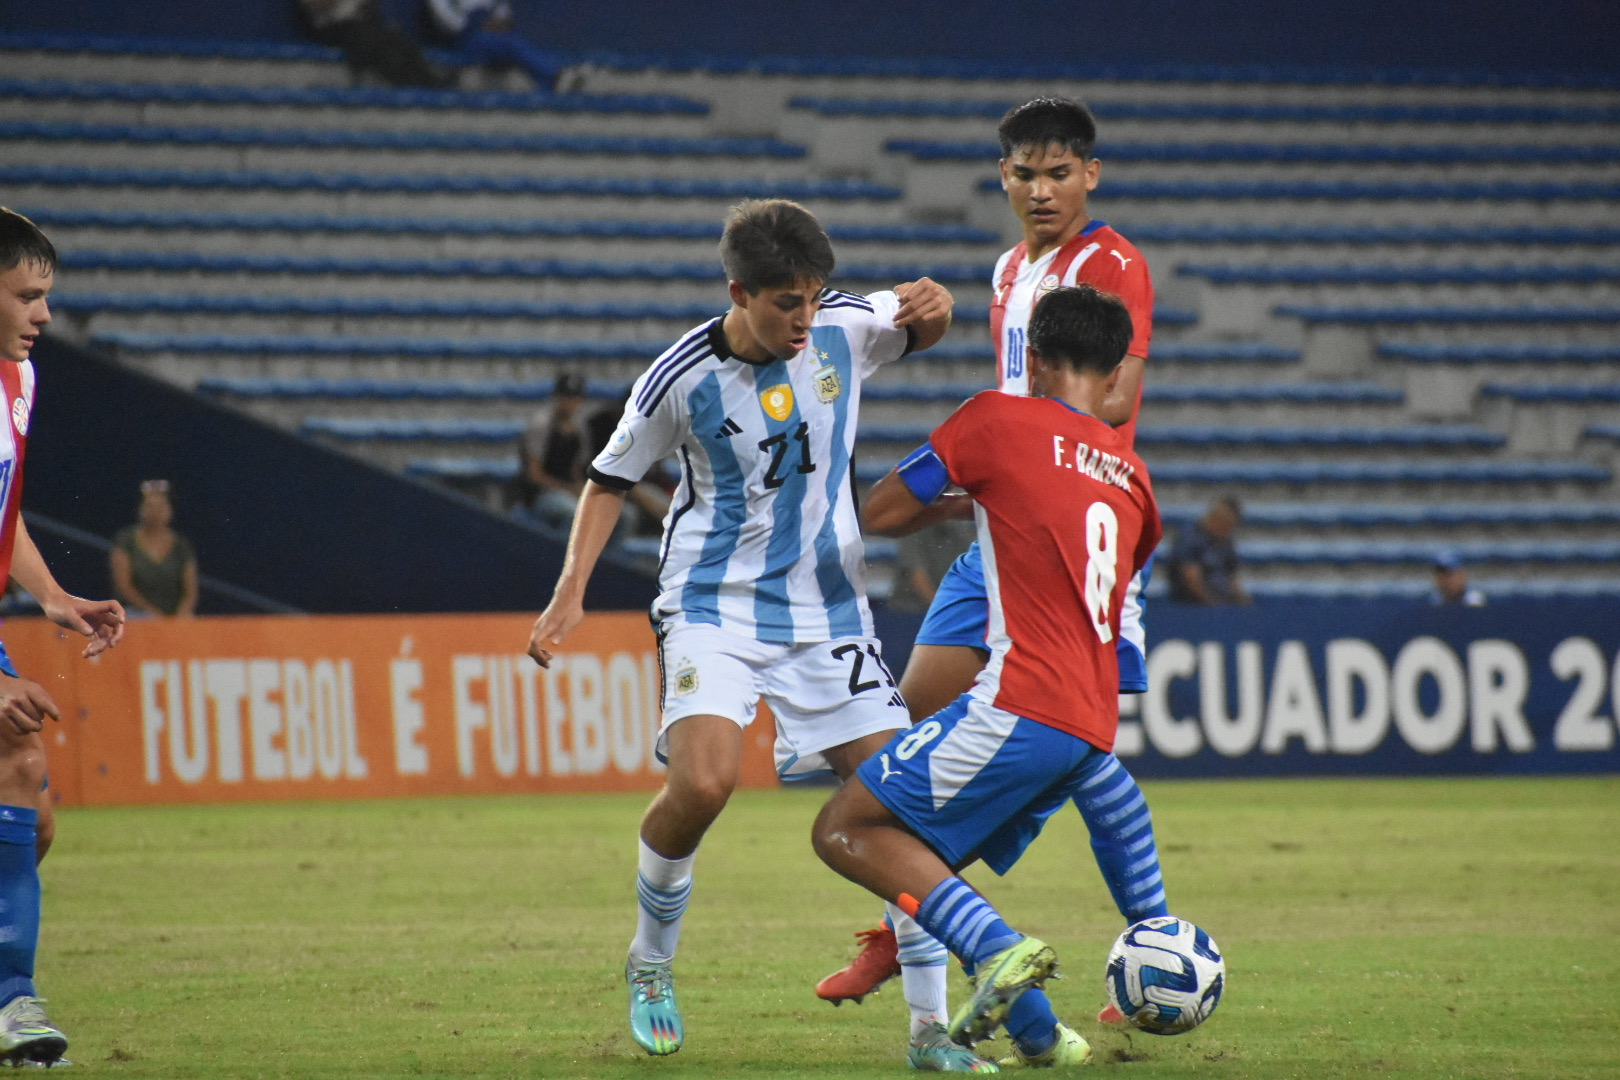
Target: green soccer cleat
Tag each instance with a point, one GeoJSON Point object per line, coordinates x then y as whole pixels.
{"type": "Point", "coordinates": [655, 1019]}
{"type": "Point", "coordinates": [932, 1051]}
{"type": "Point", "coordinates": [26, 1034]}
{"type": "Point", "coordinates": [1071, 1048]}
{"type": "Point", "coordinates": [1002, 980]}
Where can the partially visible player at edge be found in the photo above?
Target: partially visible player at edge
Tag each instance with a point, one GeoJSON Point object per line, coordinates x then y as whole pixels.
{"type": "Point", "coordinates": [27, 267]}
{"type": "Point", "coordinates": [762, 590]}
{"type": "Point", "coordinates": [1048, 168]}
{"type": "Point", "coordinates": [1066, 517]}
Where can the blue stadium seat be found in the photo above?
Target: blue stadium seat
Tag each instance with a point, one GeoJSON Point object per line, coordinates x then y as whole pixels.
{"type": "Point", "coordinates": [1170, 233]}
{"type": "Point", "coordinates": [621, 186]}
{"type": "Point", "coordinates": [1603, 431]}
{"type": "Point", "coordinates": [708, 270]}
{"type": "Point", "coordinates": [1590, 394]}
{"type": "Point", "coordinates": [897, 108]}
{"type": "Point", "coordinates": [459, 430]}
{"type": "Point", "coordinates": [1395, 274]}
{"type": "Point", "coordinates": [310, 345]}
{"type": "Point", "coordinates": [1343, 552]}
{"type": "Point", "coordinates": [552, 228]}
{"type": "Point", "coordinates": [1340, 190]}
{"type": "Point", "coordinates": [1379, 472]}
{"type": "Point", "coordinates": [1533, 353]}
{"type": "Point", "coordinates": [458, 468]}
{"type": "Point", "coordinates": [1382, 514]}
{"type": "Point", "coordinates": [1161, 435]}
{"type": "Point", "coordinates": [1494, 589]}
{"type": "Point", "coordinates": [1441, 313]}
{"type": "Point", "coordinates": [348, 97]}
{"type": "Point", "coordinates": [400, 389]}
{"type": "Point", "coordinates": [1288, 153]}
{"type": "Point", "coordinates": [443, 141]}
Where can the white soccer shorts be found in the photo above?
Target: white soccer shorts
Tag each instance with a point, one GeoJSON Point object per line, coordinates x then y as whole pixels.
{"type": "Point", "coordinates": [824, 693]}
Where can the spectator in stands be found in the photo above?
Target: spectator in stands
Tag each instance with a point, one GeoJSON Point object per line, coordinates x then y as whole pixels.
{"type": "Point", "coordinates": [1204, 559]}
{"type": "Point", "coordinates": [647, 502]}
{"type": "Point", "coordinates": [1451, 583]}
{"type": "Point", "coordinates": [484, 37]}
{"type": "Point", "coordinates": [924, 557]}
{"type": "Point", "coordinates": [154, 568]}
{"type": "Point", "coordinates": [551, 455]}
{"type": "Point", "coordinates": [371, 44]}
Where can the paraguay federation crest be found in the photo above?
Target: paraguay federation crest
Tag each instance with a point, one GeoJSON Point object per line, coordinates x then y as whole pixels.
{"type": "Point", "coordinates": [777, 401]}
{"type": "Point", "coordinates": [19, 415]}
{"type": "Point", "coordinates": [1048, 283]}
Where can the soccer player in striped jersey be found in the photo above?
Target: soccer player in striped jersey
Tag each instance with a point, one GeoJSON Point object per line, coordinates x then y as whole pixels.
{"type": "Point", "coordinates": [1066, 517]}
{"type": "Point", "coordinates": [27, 269]}
{"type": "Point", "coordinates": [761, 576]}
{"type": "Point", "coordinates": [1048, 168]}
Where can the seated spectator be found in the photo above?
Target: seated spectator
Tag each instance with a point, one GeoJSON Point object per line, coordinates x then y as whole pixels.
{"type": "Point", "coordinates": [484, 37]}
{"type": "Point", "coordinates": [1204, 559]}
{"type": "Point", "coordinates": [648, 501]}
{"type": "Point", "coordinates": [371, 44]}
{"type": "Point", "coordinates": [552, 457]}
{"type": "Point", "coordinates": [154, 568]}
{"type": "Point", "coordinates": [1451, 583]}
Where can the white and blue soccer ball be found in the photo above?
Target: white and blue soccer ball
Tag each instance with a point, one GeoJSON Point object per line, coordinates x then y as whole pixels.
{"type": "Point", "coordinates": [1165, 975]}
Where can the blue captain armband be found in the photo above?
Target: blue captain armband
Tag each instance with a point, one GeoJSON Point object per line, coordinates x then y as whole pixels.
{"type": "Point", "coordinates": [924, 474]}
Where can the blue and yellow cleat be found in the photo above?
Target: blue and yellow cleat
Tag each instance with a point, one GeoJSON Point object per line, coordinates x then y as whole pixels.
{"type": "Point", "coordinates": [1070, 1048]}
{"type": "Point", "coordinates": [655, 1019]}
{"type": "Point", "coordinates": [1002, 980]}
{"type": "Point", "coordinates": [932, 1051]}
{"type": "Point", "coordinates": [27, 1036]}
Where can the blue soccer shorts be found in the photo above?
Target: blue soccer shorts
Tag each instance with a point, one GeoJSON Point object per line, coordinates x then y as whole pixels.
{"type": "Point", "coordinates": [6, 666]}
{"type": "Point", "coordinates": [975, 781]}
{"type": "Point", "coordinates": [960, 615]}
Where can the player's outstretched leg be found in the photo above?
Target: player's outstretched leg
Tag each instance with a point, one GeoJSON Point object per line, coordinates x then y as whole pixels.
{"type": "Point", "coordinates": [663, 887]}
{"type": "Point", "coordinates": [26, 1033]}
{"type": "Point", "coordinates": [1116, 815]}
{"type": "Point", "coordinates": [1006, 963]}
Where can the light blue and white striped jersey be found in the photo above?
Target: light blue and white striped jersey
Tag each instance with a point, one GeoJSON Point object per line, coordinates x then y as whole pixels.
{"type": "Point", "coordinates": [762, 537]}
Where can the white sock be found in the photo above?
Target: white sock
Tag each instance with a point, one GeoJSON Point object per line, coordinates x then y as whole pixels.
{"type": "Point", "coordinates": [662, 889]}
{"type": "Point", "coordinates": [923, 972]}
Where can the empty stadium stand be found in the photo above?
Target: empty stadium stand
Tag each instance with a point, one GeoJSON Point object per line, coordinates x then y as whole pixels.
{"type": "Point", "coordinates": [1386, 308]}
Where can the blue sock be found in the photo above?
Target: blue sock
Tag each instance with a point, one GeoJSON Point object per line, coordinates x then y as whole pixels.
{"type": "Point", "coordinates": [1116, 813]}
{"type": "Point", "coordinates": [1032, 1023]}
{"type": "Point", "coordinates": [967, 925]}
{"type": "Point", "coordinates": [19, 901]}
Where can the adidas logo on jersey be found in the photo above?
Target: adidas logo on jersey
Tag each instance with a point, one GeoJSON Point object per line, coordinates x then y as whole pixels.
{"type": "Point", "coordinates": [728, 429]}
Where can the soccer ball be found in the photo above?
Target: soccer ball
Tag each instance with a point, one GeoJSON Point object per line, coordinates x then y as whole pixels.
{"type": "Point", "coordinates": [1165, 975]}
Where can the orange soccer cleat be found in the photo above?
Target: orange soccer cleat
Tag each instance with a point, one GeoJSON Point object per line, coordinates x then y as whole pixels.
{"type": "Point", "coordinates": [877, 963]}
{"type": "Point", "coordinates": [1110, 1015]}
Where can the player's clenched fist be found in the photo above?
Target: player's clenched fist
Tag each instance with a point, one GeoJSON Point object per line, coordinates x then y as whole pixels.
{"type": "Point", "coordinates": [24, 705]}
{"type": "Point", "coordinates": [921, 301]}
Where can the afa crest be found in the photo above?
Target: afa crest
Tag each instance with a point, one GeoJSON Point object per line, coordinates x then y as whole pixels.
{"type": "Point", "coordinates": [686, 679]}
{"type": "Point", "coordinates": [828, 384]}
{"type": "Point", "coordinates": [777, 401]}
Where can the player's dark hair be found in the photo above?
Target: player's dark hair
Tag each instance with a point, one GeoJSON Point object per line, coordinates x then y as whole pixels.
{"type": "Point", "coordinates": [21, 241]}
{"type": "Point", "coordinates": [1046, 121]}
{"type": "Point", "coordinates": [1081, 328]}
{"type": "Point", "coordinates": [770, 243]}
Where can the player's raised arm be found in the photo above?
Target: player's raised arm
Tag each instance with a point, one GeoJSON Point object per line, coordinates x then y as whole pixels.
{"type": "Point", "coordinates": [594, 520]}
{"type": "Point", "coordinates": [912, 497]}
{"type": "Point", "coordinates": [925, 306]}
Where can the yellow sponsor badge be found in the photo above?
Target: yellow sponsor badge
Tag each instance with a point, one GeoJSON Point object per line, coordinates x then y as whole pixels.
{"type": "Point", "coordinates": [777, 401]}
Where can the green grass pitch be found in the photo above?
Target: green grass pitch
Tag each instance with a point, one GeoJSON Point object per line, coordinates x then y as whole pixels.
{"type": "Point", "coordinates": [1464, 928]}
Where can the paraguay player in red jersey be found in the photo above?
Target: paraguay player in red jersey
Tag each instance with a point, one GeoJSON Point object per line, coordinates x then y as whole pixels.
{"type": "Point", "coordinates": [27, 266]}
{"type": "Point", "coordinates": [1066, 517]}
{"type": "Point", "coordinates": [1048, 168]}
